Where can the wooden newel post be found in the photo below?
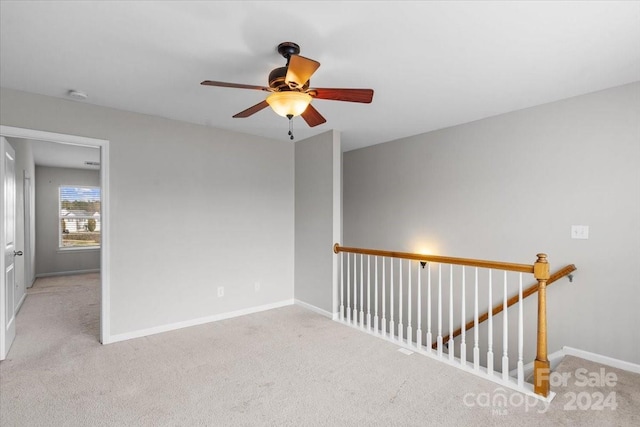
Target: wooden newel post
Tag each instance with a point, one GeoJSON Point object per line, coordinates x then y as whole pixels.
{"type": "Point", "coordinates": [541, 364]}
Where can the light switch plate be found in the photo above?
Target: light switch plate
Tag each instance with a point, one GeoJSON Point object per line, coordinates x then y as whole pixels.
{"type": "Point", "coordinates": [579, 231]}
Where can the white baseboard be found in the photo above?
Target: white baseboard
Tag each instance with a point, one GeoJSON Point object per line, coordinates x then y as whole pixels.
{"type": "Point", "coordinates": [67, 273]}
{"type": "Point", "coordinates": [19, 306]}
{"type": "Point", "coordinates": [194, 322]}
{"type": "Point", "coordinates": [605, 360]}
{"type": "Point", "coordinates": [315, 309]}
{"type": "Point", "coordinates": [556, 357]}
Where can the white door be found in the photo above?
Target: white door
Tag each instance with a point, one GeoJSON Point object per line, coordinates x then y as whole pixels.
{"type": "Point", "coordinates": [7, 240]}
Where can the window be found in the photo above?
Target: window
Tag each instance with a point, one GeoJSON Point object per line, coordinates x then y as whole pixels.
{"type": "Point", "coordinates": [79, 217]}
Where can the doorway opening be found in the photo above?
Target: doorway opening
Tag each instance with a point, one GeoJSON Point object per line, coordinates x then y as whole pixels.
{"type": "Point", "coordinates": [95, 224]}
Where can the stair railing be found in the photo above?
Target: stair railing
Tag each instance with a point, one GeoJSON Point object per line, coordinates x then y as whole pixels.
{"type": "Point", "coordinates": [361, 279]}
{"type": "Point", "coordinates": [565, 271]}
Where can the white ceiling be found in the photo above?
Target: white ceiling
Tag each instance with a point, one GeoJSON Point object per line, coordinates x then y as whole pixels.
{"type": "Point", "coordinates": [431, 64]}
{"type": "Point", "coordinates": [62, 155]}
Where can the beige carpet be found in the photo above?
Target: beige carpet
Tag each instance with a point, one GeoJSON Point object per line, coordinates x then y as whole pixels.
{"type": "Point", "coordinates": [286, 367]}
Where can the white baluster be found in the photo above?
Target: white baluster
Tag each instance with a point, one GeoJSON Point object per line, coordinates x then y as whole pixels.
{"type": "Point", "coordinates": [419, 330]}
{"type": "Point", "coordinates": [439, 339]}
{"type": "Point", "coordinates": [450, 345]}
{"type": "Point", "coordinates": [384, 300]}
{"type": "Point", "coordinates": [476, 337]}
{"type": "Point", "coordinates": [348, 288]}
{"type": "Point", "coordinates": [369, 292]}
{"type": "Point", "coordinates": [490, 332]}
{"type": "Point", "coordinates": [341, 286]}
{"type": "Point", "coordinates": [409, 304]}
{"type": "Point", "coordinates": [505, 332]}
{"type": "Point", "coordinates": [520, 337]}
{"type": "Point", "coordinates": [400, 325]}
{"type": "Point", "coordinates": [355, 288]}
{"type": "Point", "coordinates": [392, 325]}
{"type": "Point", "coordinates": [361, 291]}
{"type": "Point", "coordinates": [376, 324]}
{"type": "Point", "coordinates": [429, 335]}
{"type": "Point", "coordinates": [463, 321]}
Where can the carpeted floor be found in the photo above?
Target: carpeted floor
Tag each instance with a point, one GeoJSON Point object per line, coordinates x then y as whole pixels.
{"type": "Point", "coordinates": [284, 367]}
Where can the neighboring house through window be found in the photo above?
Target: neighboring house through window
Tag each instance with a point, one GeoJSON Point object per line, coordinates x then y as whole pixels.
{"type": "Point", "coordinates": [79, 217]}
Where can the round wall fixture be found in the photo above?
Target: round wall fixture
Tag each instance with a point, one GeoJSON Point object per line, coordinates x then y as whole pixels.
{"type": "Point", "coordinates": [76, 94]}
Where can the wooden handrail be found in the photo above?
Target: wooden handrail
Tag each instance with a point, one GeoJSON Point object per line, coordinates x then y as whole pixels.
{"type": "Point", "coordinates": [511, 301]}
{"type": "Point", "coordinates": [523, 268]}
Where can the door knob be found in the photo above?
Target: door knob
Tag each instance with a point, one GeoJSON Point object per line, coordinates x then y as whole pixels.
{"type": "Point", "coordinates": [18, 253]}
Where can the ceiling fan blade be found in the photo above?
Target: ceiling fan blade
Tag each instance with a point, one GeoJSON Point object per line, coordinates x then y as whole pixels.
{"type": "Point", "coordinates": [251, 110]}
{"type": "Point", "coordinates": [300, 70]}
{"type": "Point", "coordinates": [351, 95]}
{"type": "Point", "coordinates": [312, 116]}
{"type": "Point", "coordinates": [234, 85]}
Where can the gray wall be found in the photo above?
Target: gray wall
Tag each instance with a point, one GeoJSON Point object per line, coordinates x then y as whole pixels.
{"type": "Point", "coordinates": [510, 186]}
{"type": "Point", "coordinates": [217, 209]}
{"type": "Point", "coordinates": [49, 258]}
{"type": "Point", "coordinates": [317, 218]}
{"type": "Point", "coordinates": [24, 166]}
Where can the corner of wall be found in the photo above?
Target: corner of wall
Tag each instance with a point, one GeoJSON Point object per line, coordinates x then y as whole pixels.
{"type": "Point", "coordinates": [318, 215]}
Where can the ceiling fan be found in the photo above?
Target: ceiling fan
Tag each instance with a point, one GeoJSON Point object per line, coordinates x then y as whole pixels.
{"type": "Point", "coordinates": [290, 92]}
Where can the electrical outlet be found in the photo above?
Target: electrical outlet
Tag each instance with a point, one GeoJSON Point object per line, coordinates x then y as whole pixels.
{"type": "Point", "coordinates": [579, 231]}
{"type": "Point", "coordinates": [256, 286]}
{"type": "Point", "coordinates": [220, 291]}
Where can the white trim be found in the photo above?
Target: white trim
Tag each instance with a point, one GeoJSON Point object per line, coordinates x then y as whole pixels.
{"type": "Point", "coordinates": [105, 259]}
{"type": "Point", "coordinates": [19, 306]}
{"type": "Point", "coordinates": [68, 273]}
{"type": "Point", "coordinates": [605, 360]}
{"type": "Point", "coordinates": [76, 249]}
{"type": "Point", "coordinates": [13, 132]}
{"type": "Point", "coordinates": [315, 309]}
{"type": "Point", "coordinates": [105, 243]}
{"type": "Point", "coordinates": [3, 304]}
{"type": "Point", "coordinates": [194, 322]}
{"type": "Point", "coordinates": [556, 357]}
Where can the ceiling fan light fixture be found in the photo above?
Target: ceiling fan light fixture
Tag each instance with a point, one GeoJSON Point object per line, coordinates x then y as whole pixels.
{"type": "Point", "coordinates": [289, 103]}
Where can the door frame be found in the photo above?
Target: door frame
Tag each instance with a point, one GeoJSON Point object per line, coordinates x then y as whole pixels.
{"type": "Point", "coordinates": [103, 145]}
{"type": "Point", "coordinates": [29, 275]}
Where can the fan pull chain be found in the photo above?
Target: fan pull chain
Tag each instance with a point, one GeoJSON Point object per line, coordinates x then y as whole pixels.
{"type": "Point", "coordinates": [290, 117]}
